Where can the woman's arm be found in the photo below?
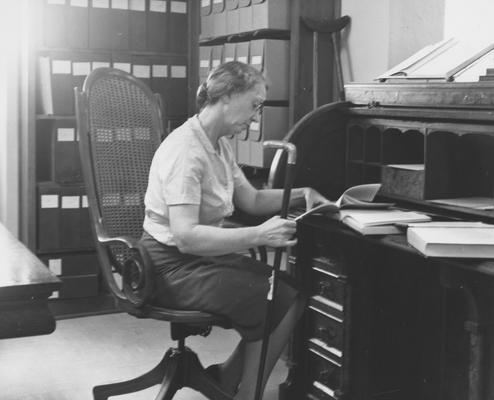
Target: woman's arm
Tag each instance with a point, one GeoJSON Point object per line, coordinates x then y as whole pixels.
{"type": "Point", "coordinates": [268, 201]}
{"type": "Point", "coordinates": [192, 238]}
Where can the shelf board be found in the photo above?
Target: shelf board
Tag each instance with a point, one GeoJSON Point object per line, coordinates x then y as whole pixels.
{"type": "Point", "coordinates": [55, 117]}
{"type": "Point", "coordinates": [277, 34]}
{"type": "Point", "coordinates": [48, 50]}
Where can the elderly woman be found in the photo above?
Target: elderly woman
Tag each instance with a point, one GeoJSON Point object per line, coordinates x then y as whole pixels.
{"type": "Point", "coordinates": [194, 183]}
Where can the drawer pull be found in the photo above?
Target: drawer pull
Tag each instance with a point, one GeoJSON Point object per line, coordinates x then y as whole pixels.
{"type": "Point", "coordinates": [327, 335]}
{"type": "Point", "coordinates": [327, 289]}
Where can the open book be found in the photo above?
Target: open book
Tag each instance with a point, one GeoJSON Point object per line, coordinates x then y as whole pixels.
{"type": "Point", "coordinates": [356, 197]}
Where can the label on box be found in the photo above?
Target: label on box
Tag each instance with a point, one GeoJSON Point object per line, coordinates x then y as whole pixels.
{"type": "Point", "coordinates": [137, 5]}
{"type": "Point", "coordinates": [228, 59]}
{"type": "Point", "coordinates": [84, 202]}
{"type": "Point", "coordinates": [160, 71]}
{"type": "Point", "coordinates": [101, 3]}
{"type": "Point", "coordinates": [79, 3]}
{"type": "Point", "coordinates": [157, 6]}
{"type": "Point", "coordinates": [60, 67]}
{"type": "Point", "coordinates": [81, 68]}
{"type": "Point", "coordinates": [112, 199]}
{"type": "Point", "coordinates": [120, 4]}
{"type": "Point", "coordinates": [55, 265]}
{"type": "Point", "coordinates": [70, 202]}
{"type": "Point", "coordinates": [204, 63]}
{"type": "Point", "coordinates": [122, 66]}
{"type": "Point", "coordinates": [178, 71]}
{"type": "Point", "coordinates": [256, 60]}
{"type": "Point", "coordinates": [242, 59]}
{"type": "Point", "coordinates": [142, 71]}
{"type": "Point", "coordinates": [100, 64]}
{"type": "Point", "coordinates": [179, 7]}
{"type": "Point", "coordinates": [215, 63]}
{"type": "Point", "coordinates": [49, 201]}
{"type": "Point", "coordinates": [54, 295]}
{"type": "Point", "coordinates": [255, 126]}
{"type": "Point", "coordinates": [65, 134]}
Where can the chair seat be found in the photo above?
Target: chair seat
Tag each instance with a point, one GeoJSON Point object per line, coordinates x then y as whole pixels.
{"type": "Point", "coordinates": [177, 316]}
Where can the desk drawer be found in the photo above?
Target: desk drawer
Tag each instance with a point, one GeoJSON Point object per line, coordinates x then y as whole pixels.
{"type": "Point", "coordinates": [326, 331]}
{"type": "Point", "coordinates": [325, 374]}
{"type": "Point", "coordinates": [327, 286]}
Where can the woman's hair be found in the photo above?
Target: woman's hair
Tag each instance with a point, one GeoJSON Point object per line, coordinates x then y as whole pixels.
{"type": "Point", "coordinates": [227, 79]}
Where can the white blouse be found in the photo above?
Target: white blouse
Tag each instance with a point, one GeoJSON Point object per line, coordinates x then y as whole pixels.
{"type": "Point", "coordinates": [186, 169]}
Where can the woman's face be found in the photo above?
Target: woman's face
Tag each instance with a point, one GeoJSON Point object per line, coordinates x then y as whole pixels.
{"type": "Point", "coordinates": [243, 108]}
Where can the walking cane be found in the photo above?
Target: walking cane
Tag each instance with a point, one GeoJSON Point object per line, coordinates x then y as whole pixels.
{"type": "Point", "coordinates": [291, 160]}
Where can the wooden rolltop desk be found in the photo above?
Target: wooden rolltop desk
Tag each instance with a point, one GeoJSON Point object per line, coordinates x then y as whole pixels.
{"type": "Point", "coordinates": [383, 321]}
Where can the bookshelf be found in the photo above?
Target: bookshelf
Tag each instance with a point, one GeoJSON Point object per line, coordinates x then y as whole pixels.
{"type": "Point", "coordinates": [152, 39]}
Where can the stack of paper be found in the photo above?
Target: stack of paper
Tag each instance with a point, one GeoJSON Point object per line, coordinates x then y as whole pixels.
{"type": "Point", "coordinates": [453, 239]}
{"type": "Point", "coordinates": [379, 222]}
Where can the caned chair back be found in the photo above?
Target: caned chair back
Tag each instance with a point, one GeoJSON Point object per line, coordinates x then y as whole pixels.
{"type": "Point", "coordinates": [120, 128]}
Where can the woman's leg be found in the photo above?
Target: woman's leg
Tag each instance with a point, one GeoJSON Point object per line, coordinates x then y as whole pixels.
{"type": "Point", "coordinates": [277, 341]}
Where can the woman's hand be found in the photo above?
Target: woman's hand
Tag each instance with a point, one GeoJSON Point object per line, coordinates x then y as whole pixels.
{"type": "Point", "coordinates": [313, 198]}
{"type": "Point", "coordinates": [277, 232]}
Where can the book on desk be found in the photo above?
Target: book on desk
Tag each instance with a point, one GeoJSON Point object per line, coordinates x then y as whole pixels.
{"type": "Point", "coordinates": [457, 239]}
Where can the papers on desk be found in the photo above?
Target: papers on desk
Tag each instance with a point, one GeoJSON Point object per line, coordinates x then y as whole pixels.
{"type": "Point", "coordinates": [459, 239]}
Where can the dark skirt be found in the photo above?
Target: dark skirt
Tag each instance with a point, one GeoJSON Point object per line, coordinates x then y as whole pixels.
{"type": "Point", "coordinates": [232, 285]}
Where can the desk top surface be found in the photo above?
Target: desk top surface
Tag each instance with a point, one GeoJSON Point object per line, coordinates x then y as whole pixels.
{"type": "Point", "coordinates": [21, 272]}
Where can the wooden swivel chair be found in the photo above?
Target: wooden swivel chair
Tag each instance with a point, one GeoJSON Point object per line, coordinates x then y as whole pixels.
{"type": "Point", "coordinates": [120, 126]}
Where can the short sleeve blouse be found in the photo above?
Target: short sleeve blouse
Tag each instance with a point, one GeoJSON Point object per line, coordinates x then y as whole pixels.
{"type": "Point", "coordinates": [187, 169]}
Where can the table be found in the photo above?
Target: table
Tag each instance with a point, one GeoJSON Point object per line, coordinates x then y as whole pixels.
{"type": "Point", "coordinates": [25, 285]}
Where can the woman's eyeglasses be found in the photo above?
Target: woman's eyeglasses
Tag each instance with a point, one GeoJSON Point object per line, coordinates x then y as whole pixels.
{"type": "Point", "coordinates": [258, 107]}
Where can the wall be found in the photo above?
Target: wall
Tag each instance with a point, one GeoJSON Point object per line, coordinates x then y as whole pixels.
{"type": "Point", "coordinates": [384, 32]}
{"type": "Point", "coordinates": [9, 120]}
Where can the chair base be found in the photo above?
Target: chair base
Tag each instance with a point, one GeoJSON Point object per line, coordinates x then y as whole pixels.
{"type": "Point", "coordinates": [178, 369]}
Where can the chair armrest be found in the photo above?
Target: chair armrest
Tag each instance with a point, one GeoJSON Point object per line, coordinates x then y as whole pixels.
{"type": "Point", "coordinates": [138, 278]}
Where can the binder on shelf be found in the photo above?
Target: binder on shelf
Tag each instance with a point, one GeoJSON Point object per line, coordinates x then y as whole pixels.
{"type": "Point", "coordinates": [77, 287]}
{"type": "Point", "coordinates": [157, 28]}
{"type": "Point", "coordinates": [78, 24]}
{"type": "Point", "coordinates": [72, 264]}
{"type": "Point", "coordinates": [159, 77]}
{"type": "Point", "coordinates": [178, 27]}
{"type": "Point", "coordinates": [270, 14]}
{"type": "Point", "coordinates": [242, 52]}
{"type": "Point", "coordinates": [63, 218]}
{"type": "Point", "coordinates": [272, 57]}
{"type": "Point", "coordinates": [216, 55]}
{"type": "Point", "coordinates": [137, 25]}
{"type": "Point", "coordinates": [245, 15]}
{"type": "Point", "coordinates": [207, 27]}
{"type": "Point", "coordinates": [122, 61]}
{"type": "Point", "coordinates": [232, 16]}
{"type": "Point", "coordinates": [272, 126]}
{"type": "Point", "coordinates": [65, 160]}
{"type": "Point", "coordinates": [54, 23]}
{"type": "Point", "coordinates": [103, 63]}
{"type": "Point", "coordinates": [61, 85]}
{"type": "Point", "coordinates": [228, 52]}
{"type": "Point", "coordinates": [219, 18]}
{"type": "Point", "coordinates": [109, 24]}
{"type": "Point", "coordinates": [141, 69]}
{"type": "Point", "coordinates": [204, 62]}
{"type": "Point", "coordinates": [81, 67]}
{"type": "Point", "coordinates": [44, 95]}
{"type": "Point", "coordinates": [48, 232]}
{"type": "Point", "coordinates": [176, 100]}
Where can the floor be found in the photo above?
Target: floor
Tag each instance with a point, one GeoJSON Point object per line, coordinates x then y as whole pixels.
{"type": "Point", "coordinates": [84, 352]}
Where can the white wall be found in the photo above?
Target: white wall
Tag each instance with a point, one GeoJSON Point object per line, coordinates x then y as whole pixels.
{"type": "Point", "coordinates": [384, 32]}
{"type": "Point", "coordinates": [9, 119]}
